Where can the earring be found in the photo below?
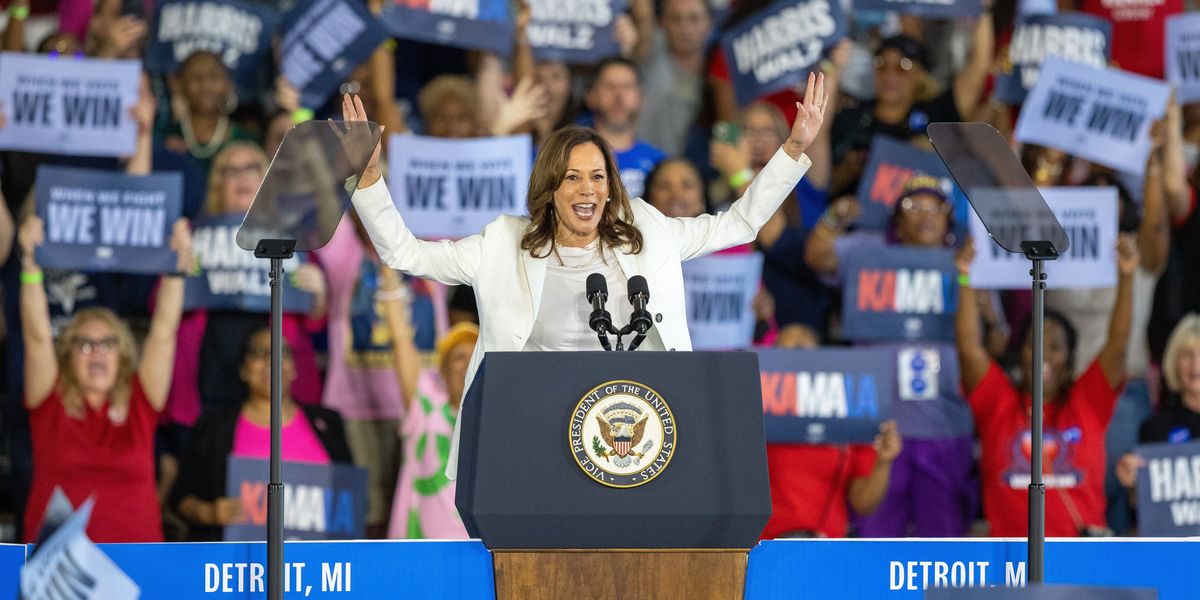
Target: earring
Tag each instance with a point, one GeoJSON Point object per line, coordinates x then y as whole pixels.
{"type": "Point", "coordinates": [231, 103]}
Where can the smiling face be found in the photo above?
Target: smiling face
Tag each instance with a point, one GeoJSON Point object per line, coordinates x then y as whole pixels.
{"type": "Point", "coordinates": [581, 197]}
{"type": "Point", "coordinates": [616, 97]}
{"type": "Point", "coordinates": [95, 357]}
{"type": "Point", "coordinates": [1056, 356]}
{"type": "Point", "coordinates": [923, 220]}
{"type": "Point", "coordinates": [896, 77]}
{"type": "Point", "coordinates": [676, 190]}
{"type": "Point", "coordinates": [205, 84]}
{"type": "Point", "coordinates": [1187, 370]}
{"type": "Point", "coordinates": [241, 173]}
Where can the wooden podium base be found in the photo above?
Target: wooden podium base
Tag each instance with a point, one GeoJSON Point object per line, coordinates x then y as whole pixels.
{"type": "Point", "coordinates": [698, 574]}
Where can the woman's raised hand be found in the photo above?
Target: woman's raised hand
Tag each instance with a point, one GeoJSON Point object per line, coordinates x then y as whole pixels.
{"type": "Point", "coordinates": [810, 114]}
{"type": "Point", "coordinates": [352, 110]}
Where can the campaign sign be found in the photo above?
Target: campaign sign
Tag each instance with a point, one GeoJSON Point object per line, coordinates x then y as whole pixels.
{"type": "Point", "coordinates": [323, 42]}
{"type": "Point", "coordinates": [1168, 489]}
{"type": "Point", "coordinates": [12, 559]}
{"type": "Point", "coordinates": [238, 31]}
{"type": "Point", "coordinates": [1075, 37]}
{"type": "Point", "coordinates": [775, 48]}
{"type": "Point", "coordinates": [69, 106]}
{"type": "Point", "coordinates": [108, 221]}
{"type": "Point", "coordinates": [830, 395]}
{"type": "Point", "coordinates": [231, 278]}
{"type": "Point", "coordinates": [890, 164]}
{"type": "Point", "coordinates": [1102, 115]}
{"type": "Point", "coordinates": [934, 9]}
{"type": "Point", "coordinates": [901, 294]}
{"type": "Point", "coordinates": [1087, 214]}
{"type": "Point", "coordinates": [573, 31]}
{"type": "Point", "coordinates": [1183, 56]}
{"type": "Point", "coordinates": [471, 24]}
{"type": "Point", "coordinates": [720, 293]}
{"type": "Point", "coordinates": [452, 188]}
{"type": "Point", "coordinates": [320, 502]}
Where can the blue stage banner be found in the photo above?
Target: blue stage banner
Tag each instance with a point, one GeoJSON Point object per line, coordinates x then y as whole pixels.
{"type": "Point", "coordinates": [776, 48]}
{"type": "Point", "coordinates": [902, 294]}
{"type": "Point", "coordinates": [574, 31]}
{"type": "Point", "coordinates": [108, 221]}
{"type": "Point", "coordinates": [471, 24]}
{"type": "Point", "coordinates": [231, 278]}
{"type": "Point", "coordinates": [320, 502]}
{"type": "Point", "coordinates": [323, 42]}
{"type": "Point", "coordinates": [236, 30]}
{"type": "Point", "coordinates": [78, 107]}
{"type": "Point", "coordinates": [890, 164]}
{"type": "Point", "coordinates": [1102, 115]}
{"type": "Point", "coordinates": [862, 569]}
{"type": "Point", "coordinates": [1183, 56]}
{"type": "Point", "coordinates": [827, 395]}
{"type": "Point", "coordinates": [1168, 488]}
{"type": "Point", "coordinates": [934, 9]}
{"type": "Point", "coordinates": [720, 299]}
{"type": "Point", "coordinates": [450, 570]}
{"type": "Point", "coordinates": [12, 558]}
{"type": "Point", "coordinates": [1075, 37]}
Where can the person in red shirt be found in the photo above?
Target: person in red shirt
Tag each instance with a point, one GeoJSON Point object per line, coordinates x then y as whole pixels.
{"type": "Point", "coordinates": [93, 406]}
{"type": "Point", "coordinates": [1138, 30]}
{"type": "Point", "coordinates": [813, 487]}
{"type": "Point", "coordinates": [1076, 414]}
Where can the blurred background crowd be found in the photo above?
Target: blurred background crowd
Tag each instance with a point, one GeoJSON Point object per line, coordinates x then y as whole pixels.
{"type": "Point", "coordinates": [111, 387]}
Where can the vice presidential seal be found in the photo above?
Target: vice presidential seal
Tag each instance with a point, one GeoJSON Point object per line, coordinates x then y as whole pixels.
{"type": "Point", "coordinates": [622, 434]}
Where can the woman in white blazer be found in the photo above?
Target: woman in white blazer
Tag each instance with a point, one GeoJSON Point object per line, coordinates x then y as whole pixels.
{"type": "Point", "coordinates": [528, 272]}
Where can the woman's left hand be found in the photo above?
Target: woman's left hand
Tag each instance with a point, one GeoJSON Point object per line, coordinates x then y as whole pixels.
{"type": "Point", "coordinates": [810, 114]}
{"type": "Point", "coordinates": [309, 278]}
{"type": "Point", "coordinates": [1127, 254]}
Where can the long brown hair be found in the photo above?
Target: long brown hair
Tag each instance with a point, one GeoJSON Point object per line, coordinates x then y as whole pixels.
{"type": "Point", "coordinates": [548, 173]}
{"type": "Point", "coordinates": [69, 388]}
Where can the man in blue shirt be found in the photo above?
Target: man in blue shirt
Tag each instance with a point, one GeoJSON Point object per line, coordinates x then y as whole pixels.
{"type": "Point", "coordinates": [615, 99]}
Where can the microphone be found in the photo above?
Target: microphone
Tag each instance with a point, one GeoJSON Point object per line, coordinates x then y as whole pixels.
{"type": "Point", "coordinates": [600, 320]}
{"type": "Point", "coordinates": [640, 320]}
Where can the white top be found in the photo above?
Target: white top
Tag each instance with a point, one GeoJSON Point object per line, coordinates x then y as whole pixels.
{"type": "Point", "coordinates": [562, 321]}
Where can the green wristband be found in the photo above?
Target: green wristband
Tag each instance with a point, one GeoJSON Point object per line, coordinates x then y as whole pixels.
{"type": "Point", "coordinates": [33, 277]}
{"type": "Point", "coordinates": [740, 178]}
{"type": "Point", "coordinates": [301, 115]}
{"type": "Point", "coordinates": [18, 13]}
{"type": "Point", "coordinates": [964, 280]}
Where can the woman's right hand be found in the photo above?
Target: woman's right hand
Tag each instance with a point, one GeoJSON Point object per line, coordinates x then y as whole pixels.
{"type": "Point", "coordinates": [227, 511]}
{"type": "Point", "coordinates": [965, 256]}
{"type": "Point", "coordinates": [31, 235]}
{"type": "Point", "coordinates": [1127, 469]}
{"type": "Point", "coordinates": [352, 110]}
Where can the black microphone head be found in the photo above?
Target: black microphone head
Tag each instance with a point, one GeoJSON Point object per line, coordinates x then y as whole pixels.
{"type": "Point", "coordinates": [597, 284]}
{"type": "Point", "coordinates": [639, 287]}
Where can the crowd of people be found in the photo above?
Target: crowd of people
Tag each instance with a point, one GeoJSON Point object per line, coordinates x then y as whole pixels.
{"type": "Point", "coordinates": [113, 390]}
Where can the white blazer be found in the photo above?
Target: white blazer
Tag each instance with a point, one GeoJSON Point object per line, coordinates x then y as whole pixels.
{"type": "Point", "coordinates": [508, 281]}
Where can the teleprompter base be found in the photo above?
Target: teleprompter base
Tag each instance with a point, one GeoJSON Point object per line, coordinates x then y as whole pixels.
{"type": "Point", "coordinates": [699, 574]}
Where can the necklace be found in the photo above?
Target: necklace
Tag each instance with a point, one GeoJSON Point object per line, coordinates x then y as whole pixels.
{"type": "Point", "coordinates": [195, 148]}
{"type": "Point", "coordinates": [594, 244]}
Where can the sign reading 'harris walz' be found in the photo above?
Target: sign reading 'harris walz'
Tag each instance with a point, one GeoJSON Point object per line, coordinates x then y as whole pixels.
{"type": "Point", "coordinates": [622, 434]}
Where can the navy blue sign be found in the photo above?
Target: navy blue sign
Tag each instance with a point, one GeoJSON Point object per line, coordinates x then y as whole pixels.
{"type": "Point", "coordinates": [937, 9]}
{"type": "Point", "coordinates": [890, 164]}
{"type": "Point", "coordinates": [1169, 490]}
{"type": "Point", "coordinates": [930, 404]}
{"type": "Point", "coordinates": [320, 502]}
{"type": "Point", "coordinates": [107, 221]}
{"type": "Point", "coordinates": [471, 24]}
{"type": "Point", "coordinates": [238, 31]}
{"type": "Point", "coordinates": [775, 48]}
{"type": "Point", "coordinates": [827, 395]}
{"type": "Point", "coordinates": [574, 31]}
{"type": "Point", "coordinates": [1074, 37]}
{"type": "Point", "coordinates": [232, 278]}
{"type": "Point", "coordinates": [323, 42]}
{"type": "Point", "coordinates": [902, 294]}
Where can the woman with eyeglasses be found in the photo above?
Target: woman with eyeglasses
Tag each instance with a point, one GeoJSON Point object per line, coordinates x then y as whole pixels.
{"type": "Point", "coordinates": [94, 403]}
{"type": "Point", "coordinates": [311, 434]}
{"type": "Point", "coordinates": [933, 470]}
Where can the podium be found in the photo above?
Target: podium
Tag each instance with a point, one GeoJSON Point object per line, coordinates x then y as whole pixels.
{"type": "Point", "coordinates": [593, 474]}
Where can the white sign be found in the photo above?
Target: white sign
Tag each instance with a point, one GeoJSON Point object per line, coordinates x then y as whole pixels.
{"type": "Point", "coordinates": [63, 105]}
{"type": "Point", "coordinates": [451, 188]}
{"type": "Point", "coordinates": [1087, 214]}
{"type": "Point", "coordinates": [1101, 115]}
{"type": "Point", "coordinates": [720, 293]}
{"type": "Point", "coordinates": [1183, 56]}
{"type": "Point", "coordinates": [68, 564]}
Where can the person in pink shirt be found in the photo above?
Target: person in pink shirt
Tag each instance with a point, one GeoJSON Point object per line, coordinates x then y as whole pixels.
{"type": "Point", "coordinates": [311, 434]}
